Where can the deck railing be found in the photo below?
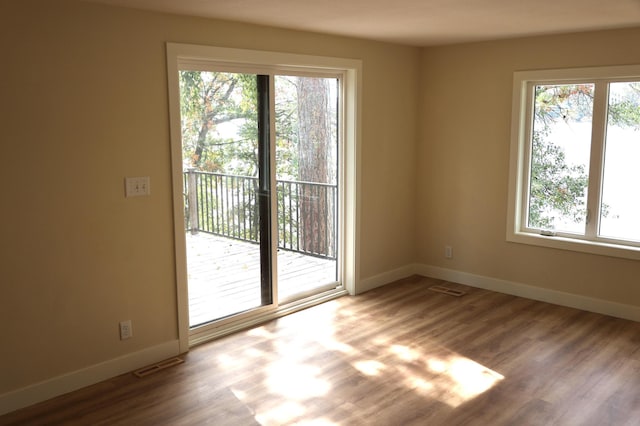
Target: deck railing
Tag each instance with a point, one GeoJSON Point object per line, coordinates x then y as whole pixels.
{"type": "Point", "coordinates": [226, 205]}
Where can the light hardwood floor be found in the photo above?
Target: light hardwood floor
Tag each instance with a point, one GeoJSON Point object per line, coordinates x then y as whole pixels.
{"type": "Point", "coordinates": [396, 355]}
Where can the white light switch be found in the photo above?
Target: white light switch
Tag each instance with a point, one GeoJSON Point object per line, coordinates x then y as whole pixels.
{"type": "Point", "coordinates": [137, 186]}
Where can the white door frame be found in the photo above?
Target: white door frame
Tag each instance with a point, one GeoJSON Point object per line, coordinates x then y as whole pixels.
{"type": "Point", "coordinates": [268, 63]}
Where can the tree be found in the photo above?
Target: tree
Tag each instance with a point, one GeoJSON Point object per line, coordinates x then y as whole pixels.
{"type": "Point", "coordinates": [556, 187]}
{"type": "Point", "coordinates": [305, 129]}
{"type": "Point", "coordinates": [314, 143]}
{"type": "Point", "coordinates": [624, 111]}
{"type": "Point", "coordinates": [209, 99]}
{"type": "Point", "coordinates": [287, 128]}
{"type": "Point", "coordinates": [305, 139]}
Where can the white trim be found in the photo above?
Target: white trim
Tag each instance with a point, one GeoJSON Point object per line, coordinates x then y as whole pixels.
{"type": "Point", "coordinates": [574, 244]}
{"type": "Point", "coordinates": [352, 117]}
{"type": "Point", "coordinates": [596, 163]}
{"type": "Point", "coordinates": [385, 278]}
{"type": "Point", "coordinates": [521, 118]}
{"type": "Point", "coordinates": [180, 244]}
{"type": "Point", "coordinates": [600, 306]}
{"type": "Point", "coordinates": [255, 319]}
{"type": "Point", "coordinates": [56, 386]}
{"type": "Point", "coordinates": [555, 297]}
{"type": "Point", "coordinates": [257, 59]}
{"type": "Point", "coordinates": [578, 74]}
{"type": "Point", "coordinates": [206, 57]}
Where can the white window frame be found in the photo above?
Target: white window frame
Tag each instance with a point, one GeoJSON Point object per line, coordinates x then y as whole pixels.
{"type": "Point", "coordinates": [271, 63]}
{"type": "Point", "coordinates": [521, 128]}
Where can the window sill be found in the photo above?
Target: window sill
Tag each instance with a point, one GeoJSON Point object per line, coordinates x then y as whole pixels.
{"type": "Point", "coordinates": [570, 244]}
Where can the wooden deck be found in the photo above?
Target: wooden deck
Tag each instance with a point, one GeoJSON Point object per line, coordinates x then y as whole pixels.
{"type": "Point", "coordinates": [224, 276]}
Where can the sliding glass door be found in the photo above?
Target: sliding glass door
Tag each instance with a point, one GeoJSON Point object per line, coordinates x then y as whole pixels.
{"type": "Point", "coordinates": [261, 190]}
{"type": "Point", "coordinates": [306, 111]}
{"type": "Point", "coordinates": [264, 160]}
{"type": "Point", "coordinates": [227, 187]}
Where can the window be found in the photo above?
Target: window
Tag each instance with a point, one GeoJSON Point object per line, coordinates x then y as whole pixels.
{"type": "Point", "coordinates": [574, 177]}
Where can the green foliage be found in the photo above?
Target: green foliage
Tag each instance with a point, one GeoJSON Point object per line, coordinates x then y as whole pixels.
{"type": "Point", "coordinates": [625, 111]}
{"type": "Point", "coordinates": [625, 114]}
{"type": "Point", "coordinates": [287, 125]}
{"type": "Point", "coordinates": [557, 188]}
{"type": "Point", "coordinates": [563, 102]}
{"type": "Point", "coordinates": [210, 99]}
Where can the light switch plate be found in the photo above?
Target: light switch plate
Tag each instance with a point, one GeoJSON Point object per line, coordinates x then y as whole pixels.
{"type": "Point", "coordinates": [137, 186]}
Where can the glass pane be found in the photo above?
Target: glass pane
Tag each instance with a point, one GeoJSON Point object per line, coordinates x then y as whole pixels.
{"type": "Point", "coordinates": [620, 212]}
{"type": "Point", "coordinates": [560, 150]}
{"type": "Point", "coordinates": [219, 144]}
{"type": "Point", "coordinates": [307, 184]}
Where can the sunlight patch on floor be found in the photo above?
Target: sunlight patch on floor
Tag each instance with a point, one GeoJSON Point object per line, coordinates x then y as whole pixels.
{"type": "Point", "coordinates": [421, 385]}
{"type": "Point", "coordinates": [260, 332]}
{"type": "Point", "coordinates": [450, 378]}
{"type": "Point", "coordinates": [285, 413]}
{"type": "Point", "coordinates": [316, 422]}
{"type": "Point", "coordinates": [405, 353]}
{"type": "Point", "coordinates": [370, 367]}
{"type": "Point", "coordinates": [295, 376]}
{"type": "Point", "coordinates": [471, 378]}
{"type": "Point", "coordinates": [296, 381]}
{"type": "Point", "coordinates": [335, 345]}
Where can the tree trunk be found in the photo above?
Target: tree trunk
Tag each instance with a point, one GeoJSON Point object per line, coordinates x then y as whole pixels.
{"type": "Point", "coordinates": [313, 153]}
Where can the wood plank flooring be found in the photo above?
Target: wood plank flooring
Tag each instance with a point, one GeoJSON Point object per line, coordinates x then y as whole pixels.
{"type": "Point", "coordinates": [397, 355]}
{"type": "Point", "coordinates": [224, 276]}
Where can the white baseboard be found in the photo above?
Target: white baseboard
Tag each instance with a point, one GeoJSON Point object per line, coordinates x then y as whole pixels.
{"type": "Point", "coordinates": [584, 303]}
{"type": "Point", "coordinates": [38, 392]}
{"type": "Point", "coordinates": [384, 278]}
{"type": "Point", "coordinates": [56, 386]}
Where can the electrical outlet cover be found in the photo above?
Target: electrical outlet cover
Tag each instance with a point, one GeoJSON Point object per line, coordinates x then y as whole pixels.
{"type": "Point", "coordinates": [125, 330]}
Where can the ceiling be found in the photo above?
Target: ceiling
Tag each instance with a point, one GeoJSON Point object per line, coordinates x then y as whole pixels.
{"type": "Point", "coordinates": [412, 22]}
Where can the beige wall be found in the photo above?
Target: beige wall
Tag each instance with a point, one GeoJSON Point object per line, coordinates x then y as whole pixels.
{"type": "Point", "coordinates": [83, 93]}
{"type": "Point", "coordinates": [84, 104]}
{"type": "Point", "coordinates": [464, 163]}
